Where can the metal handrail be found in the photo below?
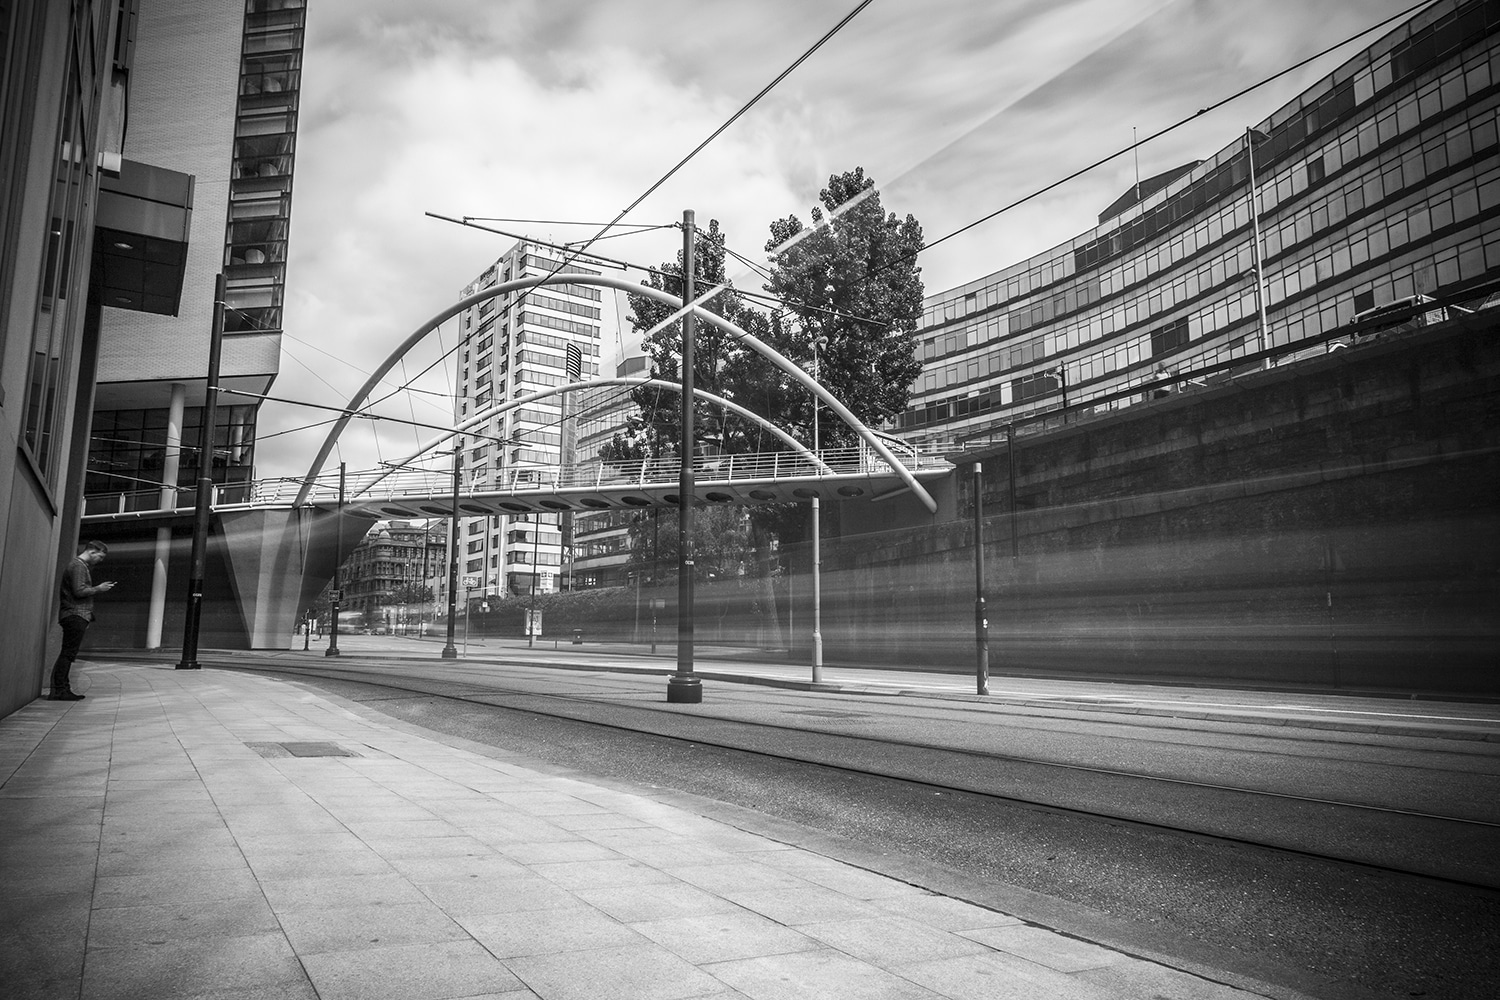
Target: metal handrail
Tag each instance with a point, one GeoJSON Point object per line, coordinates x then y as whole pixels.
{"type": "Point", "coordinates": [722, 469]}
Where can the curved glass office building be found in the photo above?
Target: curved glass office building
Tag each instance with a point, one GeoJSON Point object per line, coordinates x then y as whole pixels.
{"type": "Point", "coordinates": [1379, 183]}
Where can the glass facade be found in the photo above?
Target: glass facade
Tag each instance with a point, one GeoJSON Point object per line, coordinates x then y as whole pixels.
{"type": "Point", "coordinates": [260, 182]}
{"type": "Point", "coordinates": [128, 449]}
{"type": "Point", "coordinates": [1380, 182]}
{"type": "Point", "coordinates": [601, 539]}
{"type": "Point", "coordinates": [59, 311]}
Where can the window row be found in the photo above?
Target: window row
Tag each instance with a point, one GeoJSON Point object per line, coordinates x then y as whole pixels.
{"type": "Point", "coordinates": [1437, 96]}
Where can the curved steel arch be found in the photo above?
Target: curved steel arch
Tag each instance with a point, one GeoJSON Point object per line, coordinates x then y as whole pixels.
{"type": "Point", "coordinates": [620, 284]}
{"type": "Point", "coordinates": [512, 404]}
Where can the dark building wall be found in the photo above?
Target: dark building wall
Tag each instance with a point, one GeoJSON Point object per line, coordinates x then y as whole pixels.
{"type": "Point", "coordinates": [1330, 523]}
{"type": "Point", "coordinates": [56, 89]}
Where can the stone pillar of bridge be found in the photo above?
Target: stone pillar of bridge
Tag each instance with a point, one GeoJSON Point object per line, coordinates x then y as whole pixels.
{"type": "Point", "coordinates": [279, 560]}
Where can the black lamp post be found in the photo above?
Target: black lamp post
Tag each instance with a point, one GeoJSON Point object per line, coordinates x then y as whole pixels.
{"type": "Point", "coordinates": [450, 652]}
{"type": "Point", "coordinates": [981, 618]}
{"type": "Point", "coordinates": [338, 549]}
{"type": "Point", "coordinates": [193, 619]}
{"type": "Point", "coordinates": [683, 687]}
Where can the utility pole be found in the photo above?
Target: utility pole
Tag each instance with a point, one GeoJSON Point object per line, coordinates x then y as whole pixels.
{"type": "Point", "coordinates": [1260, 289]}
{"type": "Point", "coordinates": [683, 687]}
{"type": "Point", "coordinates": [981, 618]}
{"type": "Point", "coordinates": [194, 615]}
{"type": "Point", "coordinates": [338, 550]}
{"type": "Point", "coordinates": [536, 570]}
{"type": "Point", "coordinates": [450, 652]}
{"type": "Point", "coordinates": [817, 533]}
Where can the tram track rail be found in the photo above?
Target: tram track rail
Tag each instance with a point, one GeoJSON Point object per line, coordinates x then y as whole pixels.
{"type": "Point", "coordinates": [839, 751]}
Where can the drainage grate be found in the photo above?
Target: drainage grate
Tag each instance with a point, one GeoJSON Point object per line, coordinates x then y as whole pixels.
{"type": "Point", "coordinates": [828, 715]}
{"type": "Point", "coordinates": [301, 750]}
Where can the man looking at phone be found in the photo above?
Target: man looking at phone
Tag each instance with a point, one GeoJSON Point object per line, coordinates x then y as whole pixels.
{"type": "Point", "coordinates": [75, 613]}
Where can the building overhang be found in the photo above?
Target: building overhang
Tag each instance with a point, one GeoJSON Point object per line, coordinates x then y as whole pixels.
{"type": "Point", "coordinates": [141, 233]}
{"type": "Point", "coordinates": [152, 394]}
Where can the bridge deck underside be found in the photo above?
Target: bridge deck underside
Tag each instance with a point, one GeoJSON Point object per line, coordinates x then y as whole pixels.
{"type": "Point", "coordinates": [526, 498]}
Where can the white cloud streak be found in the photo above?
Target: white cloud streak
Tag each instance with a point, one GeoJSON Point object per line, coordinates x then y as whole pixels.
{"type": "Point", "coordinates": [569, 109]}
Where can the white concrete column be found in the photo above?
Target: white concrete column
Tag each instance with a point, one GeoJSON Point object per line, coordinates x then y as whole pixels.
{"type": "Point", "coordinates": [167, 501]}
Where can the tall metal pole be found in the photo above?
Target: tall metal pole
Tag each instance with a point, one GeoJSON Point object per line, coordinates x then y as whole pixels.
{"type": "Point", "coordinates": [683, 687]}
{"type": "Point", "coordinates": [1010, 455]}
{"type": "Point", "coordinates": [194, 615]}
{"type": "Point", "coordinates": [536, 570]}
{"type": "Point", "coordinates": [981, 618]}
{"type": "Point", "coordinates": [426, 569]}
{"type": "Point", "coordinates": [817, 539]}
{"type": "Point", "coordinates": [1260, 277]}
{"type": "Point", "coordinates": [338, 561]}
{"type": "Point", "coordinates": [450, 652]}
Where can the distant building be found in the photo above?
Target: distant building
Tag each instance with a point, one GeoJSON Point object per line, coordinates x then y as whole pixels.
{"type": "Point", "coordinates": [385, 576]}
{"type": "Point", "coordinates": [601, 539]}
{"type": "Point", "coordinates": [1380, 182]}
{"type": "Point", "coordinates": [513, 346]}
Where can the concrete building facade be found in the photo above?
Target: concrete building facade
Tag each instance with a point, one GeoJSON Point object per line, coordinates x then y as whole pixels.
{"type": "Point", "coordinates": [513, 346]}
{"type": "Point", "coordinates": [214, 94]}
{"type": "Point", "coordinates": [386, 574]}
{"type": "Point", "coordinates": [1379, 183]}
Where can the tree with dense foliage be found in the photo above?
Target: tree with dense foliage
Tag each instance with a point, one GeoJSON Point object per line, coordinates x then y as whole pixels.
{"type": "Point", "coordinates": [849, 283]}
{"type": "Point", "coordinates": [719, 361]}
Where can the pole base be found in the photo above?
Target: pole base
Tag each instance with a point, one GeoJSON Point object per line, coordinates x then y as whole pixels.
{"type": "Point", "coordinates": [189, 665]}
{"type": "Point", "coordinates": [684, 690]}
{"type": "Point", "coordinates": [449, 653]}
{"type": "Point", "coordinates": [331, 651]}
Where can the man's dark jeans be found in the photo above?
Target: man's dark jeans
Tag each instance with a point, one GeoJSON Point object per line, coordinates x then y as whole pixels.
{"type": "Point", "coordinates": [73, 628]}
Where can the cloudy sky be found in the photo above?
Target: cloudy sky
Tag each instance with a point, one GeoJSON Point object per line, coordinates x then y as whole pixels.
{"type": "Point", "coordinates": [567, 110]}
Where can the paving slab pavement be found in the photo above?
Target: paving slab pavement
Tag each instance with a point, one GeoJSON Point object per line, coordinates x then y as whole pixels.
{"type": "Point", "coordinates": [214, 834]}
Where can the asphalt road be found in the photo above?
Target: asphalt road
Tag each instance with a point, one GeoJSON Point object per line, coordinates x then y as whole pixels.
{"type": "Point", "coordinates": [1326, 928]}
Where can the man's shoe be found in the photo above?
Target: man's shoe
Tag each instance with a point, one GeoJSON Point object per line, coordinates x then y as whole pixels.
{"type": "Point", "coordinates": [67, 696]}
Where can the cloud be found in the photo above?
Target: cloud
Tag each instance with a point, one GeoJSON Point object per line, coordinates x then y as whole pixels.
{"type": "Point", "coordinates": [568, 110]}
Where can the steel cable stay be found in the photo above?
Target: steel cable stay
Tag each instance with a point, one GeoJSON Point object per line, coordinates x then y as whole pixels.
{"type": "Point", "coordinates": [875, 442]}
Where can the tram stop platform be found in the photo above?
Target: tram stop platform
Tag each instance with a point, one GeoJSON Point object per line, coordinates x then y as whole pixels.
{"type": "Point", "coordinates": [218, 834]}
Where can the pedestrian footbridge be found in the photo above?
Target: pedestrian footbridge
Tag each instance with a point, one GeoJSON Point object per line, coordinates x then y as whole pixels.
{"type": "Point", "coordinates": [273, 544]}
{"type": "Point", "coordinates": [767, 477]}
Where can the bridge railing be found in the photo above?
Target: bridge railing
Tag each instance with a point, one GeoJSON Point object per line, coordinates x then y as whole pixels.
{"type": "Point", "coordinates": [655, 472]}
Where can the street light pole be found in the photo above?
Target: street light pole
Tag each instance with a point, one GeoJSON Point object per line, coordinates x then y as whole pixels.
{"type": "Point", "coordinates": [683, 687]}
{"type": "Point", "coordinates": [817, 537]}
{"type": "Point", "coordinates": [536, 569]}
{"type": "Point", "coordinates": [338, 557]}
{"type": "Point", "coordinates": [201, 514]}
{"type": "Point", "coordinates": [1260, 291]}
{"type": "Point", "coordinates": [981, 618]}
{"type": "Point", "coordinates": [450, 652]}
